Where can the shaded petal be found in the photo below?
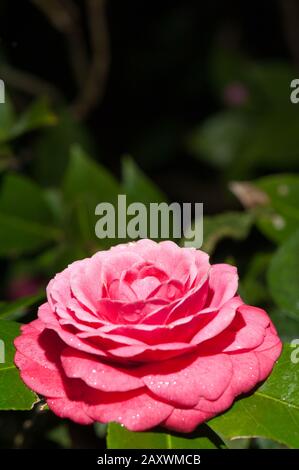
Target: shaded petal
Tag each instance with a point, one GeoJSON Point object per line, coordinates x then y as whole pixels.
{"type": "Point", "coordinates": [191, 303]}
{"type": "Point", "coordinates": [74, 409]}
{"type": "Point", "coordinates": [220, 321]}
{"type": "Point", "coordinates": [37, 357]}
{"type": "Point", "coordinates": [71, 339]}
{"type": "Point", "coordinates": [155, 353]}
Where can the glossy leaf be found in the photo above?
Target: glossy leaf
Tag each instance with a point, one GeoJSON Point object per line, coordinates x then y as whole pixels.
{"type": "Point", "coordinates": [35, 116]}
{"type": "Point", "coordinates": [85, 177]}
{"type": "Point", "coordinates": [235, 225]}
{"type": "Point", "coordinates": [120, 438]}
{"type": "Point", "coordinates": [10, 308]}
{"type": "Point", "coordinates": [280, 218]}
{"type": "Point", "coordinates": [87, 184]}
{"type": "Point", "coordinates": [283, 276]}
{"type": "Point", "coordinates": [7, 118]}
{"type": "Point", "coordinates": [14, 395]}
{"type": "Point", "coordinates": [53, 147]}
{"type": "Point", "coordinates": [25, 217]}
{"type": "Point", "coordinates": [272, 411]}
{"type": "Point", "coordinates": [61, 436]}
{"type": "Point", "coordinates": [286, 323]}
{"type": "Point", "coordinates": [220, 139]}
{"type": "Point", "coordinates": [253, 286]}
{"type": "Point", "coordinates": [23, 198]}
{"type": "Point", "coordinates": [137, 186]}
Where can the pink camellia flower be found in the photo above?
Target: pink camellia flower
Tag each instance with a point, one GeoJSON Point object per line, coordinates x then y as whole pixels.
{"type": "Point", "coordinates": [145, 334]}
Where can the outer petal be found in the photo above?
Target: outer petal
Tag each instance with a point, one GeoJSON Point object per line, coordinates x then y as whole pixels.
{"type": "Point", "coordinates": [186, 379]}
{"type": "Point", "coordinates": [74, 410]}
{"type": "Point", "coordinates": [268, 352]}
{"type": "Point", "coordinates": [223, 280]}
{"type": "Point", "coordinates": [185, 421]}
{"type": "Point", "coordinates": [37, 358]}
{"type": "Point", "coordinates": [246, 372]}
{"type": "Point", "coordinates": [97, 374]}
{"type": "Point", "coordinates": [73, 404]}
{"type": "Point", "coordinates": [138, 410]}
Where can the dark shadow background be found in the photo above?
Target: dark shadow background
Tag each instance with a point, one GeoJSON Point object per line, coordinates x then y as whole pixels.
{"type": "Point", "coordinates": [158, 84]}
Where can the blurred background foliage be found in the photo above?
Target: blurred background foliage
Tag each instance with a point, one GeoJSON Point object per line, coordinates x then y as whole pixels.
{"type": "Point", "coordinates": [183, 101]}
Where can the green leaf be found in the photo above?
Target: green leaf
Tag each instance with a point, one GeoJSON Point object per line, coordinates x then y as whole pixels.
{"type": "Point", "coordinates": [286, 323]}
{"type": "Point", "coordinates": [61, 436]}
{"type": "Point", "coordinates": [272, 144]}
{"type": "Point", "coordinates": [235, 225]}
{"type": "Point", "coordinates": [18, 236]}
{"type": "Point", "coordinates": [137, 186]}
{"type": "Point", "coordinates": [269, 83]}
{"type": "Point", "coordinates": [14, 395]}
{"type": "Point", "coordinates": [262, 443]}
{"type": "Point", "coordinates": [220, 139]}
{"type": "Point", "coordinates": [87, 184]}
{"type": "Point", "coordinates": [272, 411]}
{"type": "Point", "coordinates": [283, 276]}
{"type": "Point", "coordinates": [120, 438]}
{"type": "Point", "coordinates": [23, 198]}
{"type": "Point", "coordinates": [238, 443]}
{"type": "Point", "coordinates": [36, 116]}
{"type": "Point", "coordinates": [25, 217]}
{"type": "Point", "coordinates": [253, 288]}
{"type": "Point", "coordinates": [87, 178]}
{"type": "Point", "coordinates": [7, 119]}
{"type": "Point", "coordinates": [53, 146]}
{"type": "Point", "coordinates": [280, 217]}
{"type": "Point", "coordinates": [9, 308]}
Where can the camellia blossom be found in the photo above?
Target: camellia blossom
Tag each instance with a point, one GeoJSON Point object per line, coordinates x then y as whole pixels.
{"type": "Point", "coordinates": [145, 334]}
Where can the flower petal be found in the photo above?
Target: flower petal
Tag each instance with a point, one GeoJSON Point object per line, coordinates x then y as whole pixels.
{"type": "Point", "coordinates": [137, 410]}
{"type": "Point", "coordinates": [97, 374]}
{"type": "Point", "coordinates": [186, 379]}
